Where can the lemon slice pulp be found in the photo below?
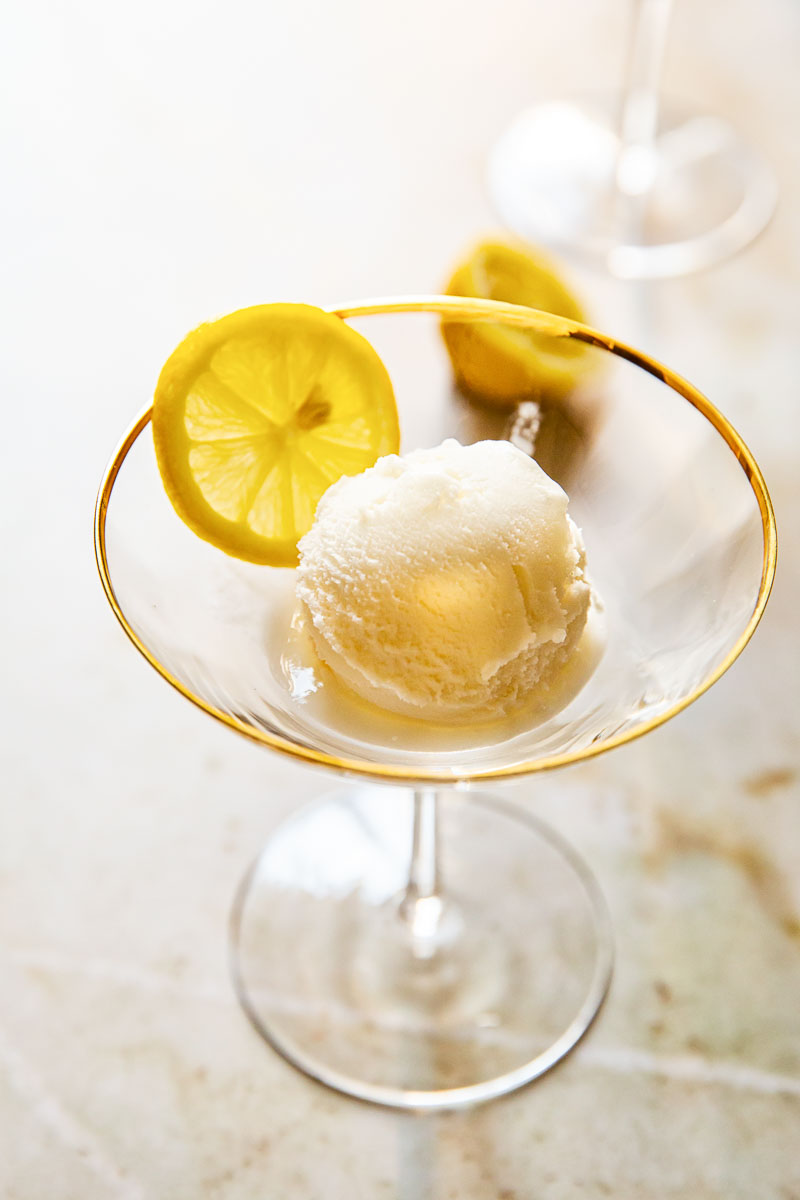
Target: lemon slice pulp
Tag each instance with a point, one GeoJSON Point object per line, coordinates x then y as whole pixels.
{"type": "Point", "coordinates": [257, 414]}
{"type": "Point", "coordinates": [500, 364]}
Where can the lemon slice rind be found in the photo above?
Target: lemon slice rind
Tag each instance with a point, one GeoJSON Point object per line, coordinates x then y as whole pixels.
{"type": "Point", "coordinates": [256, 414]}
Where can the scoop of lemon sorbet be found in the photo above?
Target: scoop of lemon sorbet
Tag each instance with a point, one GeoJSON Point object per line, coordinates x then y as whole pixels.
{"type": "Point", "coordinates": [447, 584]}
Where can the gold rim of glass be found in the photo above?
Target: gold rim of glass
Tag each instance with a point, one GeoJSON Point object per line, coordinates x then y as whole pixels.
{"type": "Point", "coordinates": [541, 322]}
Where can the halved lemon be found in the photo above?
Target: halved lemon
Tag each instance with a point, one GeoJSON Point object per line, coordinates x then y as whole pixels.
{"type": "Point", "coordinates": [257, 414]}
{"type": "Point", "coordinates": [497, 363]}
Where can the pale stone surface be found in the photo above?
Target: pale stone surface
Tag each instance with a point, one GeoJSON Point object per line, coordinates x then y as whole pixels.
{"type": "Point", "coordinates": [167, 163]}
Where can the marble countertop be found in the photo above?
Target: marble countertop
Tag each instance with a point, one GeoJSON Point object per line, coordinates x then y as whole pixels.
{"type": "Point", "coordinates": [168, 162]}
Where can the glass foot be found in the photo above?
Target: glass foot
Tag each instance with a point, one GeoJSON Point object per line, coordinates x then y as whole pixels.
{"type": "Point", "coordinates": [695, 197]}
{"type": "Point", "coordinates": [419, 1003]}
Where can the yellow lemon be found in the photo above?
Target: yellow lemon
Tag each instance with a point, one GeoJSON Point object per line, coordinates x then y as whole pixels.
{"type": "Point", "coordinates": [500, 364]}
{"type": "Point", "coordinates": [257, 414]}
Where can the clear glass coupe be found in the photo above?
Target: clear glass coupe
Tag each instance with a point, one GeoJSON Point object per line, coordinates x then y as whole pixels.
{"type": "Point", "coordinates": [409, 939]}
{"type": "Point", "coordinates": [643, 189]}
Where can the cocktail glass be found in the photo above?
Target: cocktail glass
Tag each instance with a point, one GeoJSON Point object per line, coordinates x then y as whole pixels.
{"type": "Point", "coordinates": [410, 939]}
{"type": "Point", "coordinates": [644, 189]}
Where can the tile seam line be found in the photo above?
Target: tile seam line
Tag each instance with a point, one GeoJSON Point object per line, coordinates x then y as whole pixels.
{"type": "Point", "coordinates": [620, 1060]}
{"type": "Point", "coordinates": [65, 1127]}
{"type": "Point", "coordinates": [688, 1068]}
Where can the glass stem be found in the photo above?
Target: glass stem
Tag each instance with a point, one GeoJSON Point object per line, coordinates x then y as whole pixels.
{"type": "Point", "coordinates": [422, 904]}
{"type": "Point", "coordinates": [637, 161]}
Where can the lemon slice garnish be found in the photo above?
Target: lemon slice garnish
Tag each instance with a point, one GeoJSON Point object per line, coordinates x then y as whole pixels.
{"type": "Point", "coordinates": [500, 364]}
{"type": "Point", "coordinates": [257, 414]}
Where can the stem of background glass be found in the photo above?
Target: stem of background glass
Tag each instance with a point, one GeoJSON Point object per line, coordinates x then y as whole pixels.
{"type": "Point", "coordinates": [421, 906]}
{"type": "Point", "coordinates": [637, 162]}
